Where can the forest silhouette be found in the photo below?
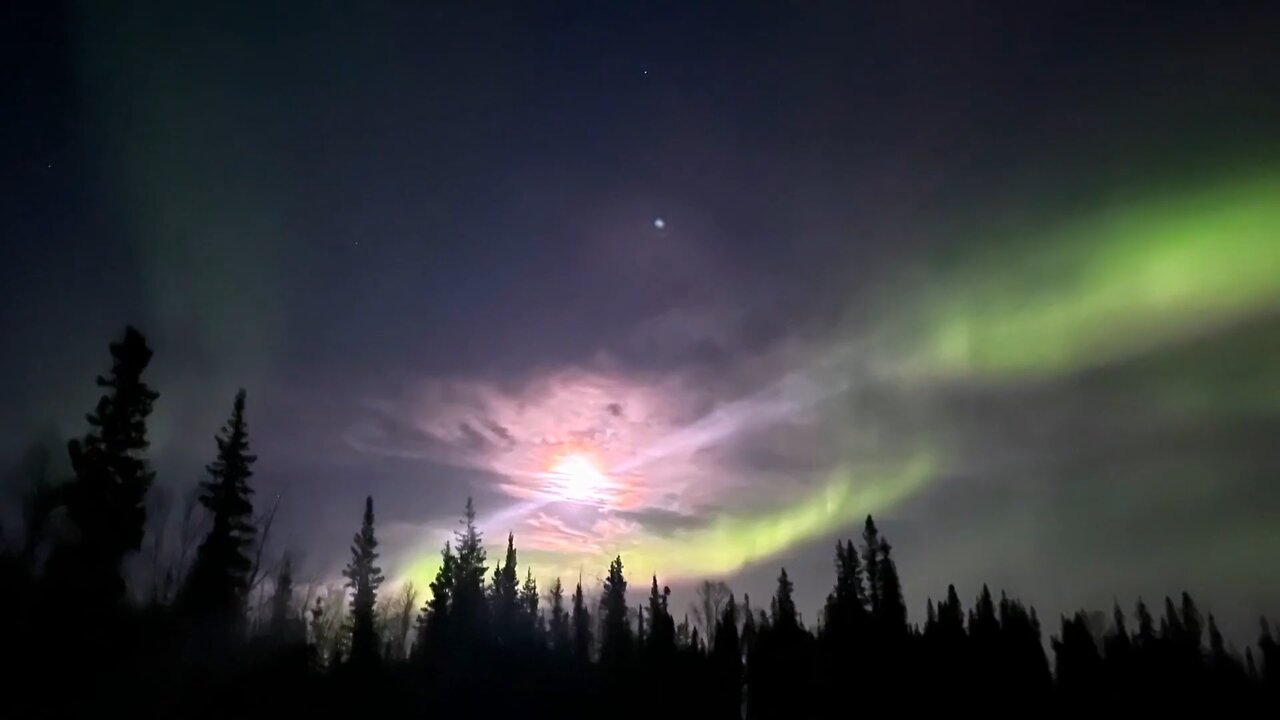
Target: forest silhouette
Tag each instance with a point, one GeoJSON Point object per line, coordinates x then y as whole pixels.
{"type": "Point", "coordinates": [224, 632]}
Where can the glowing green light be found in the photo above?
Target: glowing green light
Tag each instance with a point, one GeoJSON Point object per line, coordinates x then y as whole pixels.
{"type": "Point", "coordinates": [1110, 285]}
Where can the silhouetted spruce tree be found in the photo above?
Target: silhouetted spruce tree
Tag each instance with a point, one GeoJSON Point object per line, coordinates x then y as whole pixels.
{"type": "Point", "coordinates": [845, 610]}
{"type": "Point", "coordinates": [529, 601]}
{"type": "Point", "coordinates": [662, 627]}
{"type": "Point", "coordinates": [640, 629]}
{"type": "Point", "coordinates": [1079, 666]}
{"type": "Point", "coordinates": [615, 642]}
{"type": "Point", "coordinates": [581, 626]}
{"type": "Point", "coordinates": [726, 656]}
{"type": "Point", "coordinates": [785, 618]}
{"type": "Point", "coordinates": [1227, 675]}
{"type": "Point", "coordinates": [983, 643]}
{"type": "Point", "coordinates": [559, 624]}
{"type": "Point", "coordinates": [1192, 640]}
{"type": "Point", "coordinates": [871, 565]}
{"type": "Point", "coordinates": [363, 577]}
{"type": "Point", "coordinates": [469, 607]}
{"type": "Point", "coordinates": [105, 500]}
{"type": "Point", "coordinates": [433, 621]}
{"type": "Point", "coordinates": [219, 577]}
{"type": "Point", "coordinates": [780, 679]}
{"type": "Point", "coordinates": [892, 616]}
{"type": "Point", "coordinates": [1117, 652]}
{"type": "Point", "coordinates": [504, 595]}
{"type": "Point", "coordinates": [1024, 665]}
{"type": "Point", "coordinates": [1146, 637]}
{"type": "Point", "coordinates": [946, 642]}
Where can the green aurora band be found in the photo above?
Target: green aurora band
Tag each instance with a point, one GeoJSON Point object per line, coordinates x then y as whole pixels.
{"type": "Point", "coordinates": [1104, 287]}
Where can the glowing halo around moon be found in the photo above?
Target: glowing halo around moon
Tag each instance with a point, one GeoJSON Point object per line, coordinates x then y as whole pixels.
{"type": "Point", "coordinates": [575, 478]}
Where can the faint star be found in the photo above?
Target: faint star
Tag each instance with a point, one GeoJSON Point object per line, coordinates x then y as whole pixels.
{"type": "Point", "coordinates": [659, 223]}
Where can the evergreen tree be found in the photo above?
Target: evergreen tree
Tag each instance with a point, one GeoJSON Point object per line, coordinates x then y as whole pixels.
{"type": "Point", "coordinates": [1146, 637]}
{"type": "Point", "coordinates": [504, 595]}
{"type": "Point", "coordinates": [846, 604]}
{"type": "Point", "coordinates": [105, 500]}
{"type": "Point", "coordinates": [892, 614]}
{"type": "Point", "coordinates": [951, 617]}
{"type": "Point", "coordinates": [662, 628]}
{"type": "Point", "coordinates": [1171, 624]}
{"type": "Point", "coordinates": [726, 656]}
{"type": "Point", "coordinates": [468, 602]}
{"type": "Point", "coordinates": [640, 633]}
{"type": "Point", "coordinates": [559, 628]}
{"type": "Point", "coordinates": [434, 618]}
{"type": "Point", "coordinates": [785, 617]}
{"type": "Point", "coordinates": [1220, 660]}
{"type": "Point", "coordinates": [529, 595]}
{"type": "Point", "coordinates": [364, 578]}
{"type": "Point", "coordinates": [581, 626]}
{"type": "Point", "coordinates": [1117, 649]}
{"type": "Point", "coordinates": [871, 565]}
{"type": "Point", "coordinates": [1192, 627]}
{"type": "Point", "coordinates": [1023, 664]}
{"type": "Point", "coordinates": [615, 643]}
{"type": "Point", "coordinates": [219, 578]}
{"type": "Point", "coordinates": [983, 624]}
{"type": "Point", "coordinates": [1078, 662]}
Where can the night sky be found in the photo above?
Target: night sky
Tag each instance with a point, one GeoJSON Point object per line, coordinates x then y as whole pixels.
{"type": "Point", "coordinates": [702, 284]}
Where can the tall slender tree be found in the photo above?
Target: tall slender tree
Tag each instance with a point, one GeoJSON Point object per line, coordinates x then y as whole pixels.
{"type": "Point", "coordinates": [364, 578]}
{"type": "Point", "coordinates": [662, 627]}
{"type": "Point", "coordinates": [434, 618]}
{"type": "Point", "coordinates": [785, 617]}
{"type": "Point", "coordinates": [219, 578]}
{"type": "Point", "coordinates": [871, 564]}
{"type": "Point", "coordinates": [105, 500]}
{"type": "Point", "coordinates": [615, 642]}
{"type": "Point", "coordinates": [845, 609]}
{"type": "Point", "coordinates": [529, 602]}
{"type": "Point", "coordinates": [726, 655]}
{"type": "Point", "coordinates": [581, 626]}
{"type": "Point", "coordinates": [504, 595]}
{"type": "Point", "coordinates": [559, 621]}
{"type": "Point", "coordinates": [468, 607]}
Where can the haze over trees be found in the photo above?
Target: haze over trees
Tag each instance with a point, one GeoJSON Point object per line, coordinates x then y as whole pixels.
{"type": "Point", "coordinates": [487, 642]}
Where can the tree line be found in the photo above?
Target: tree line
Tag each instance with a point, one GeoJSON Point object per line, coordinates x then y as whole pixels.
{"type": "Point", "coordinates": [486, 641]}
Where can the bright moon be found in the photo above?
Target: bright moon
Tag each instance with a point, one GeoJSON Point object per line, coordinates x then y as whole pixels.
{"type": "Point", "coordinates": [578, 478]}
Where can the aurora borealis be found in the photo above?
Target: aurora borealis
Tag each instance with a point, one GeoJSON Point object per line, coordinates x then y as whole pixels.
{"type": "Point", "coordinates": [1007, 278]}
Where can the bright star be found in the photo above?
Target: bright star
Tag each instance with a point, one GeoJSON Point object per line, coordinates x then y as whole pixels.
{"type": "Point", "coordinates": [659, 223]}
